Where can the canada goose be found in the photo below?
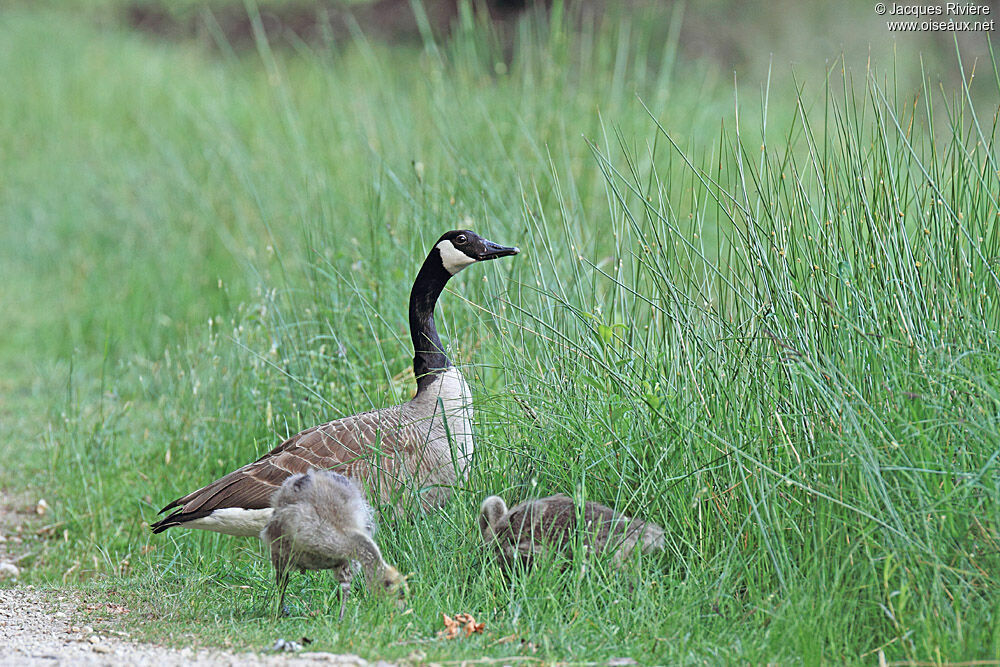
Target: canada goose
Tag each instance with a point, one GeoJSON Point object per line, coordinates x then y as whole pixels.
{"type": "Point", "coordinates": [398, 447]}
{"type": "Point", "coordinates": [534, 526]}
{"type": "Point", "coordinates": [322, 522]}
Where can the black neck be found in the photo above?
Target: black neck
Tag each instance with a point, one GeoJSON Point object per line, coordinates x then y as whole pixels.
{"type": "Point", "coordinates": [429, 358]}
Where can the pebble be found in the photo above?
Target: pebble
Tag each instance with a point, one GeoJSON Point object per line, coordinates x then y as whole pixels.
{"type": "Point", "coordinates": [286, 645]}
{"type": "Point", "coordinates": [9, 571]}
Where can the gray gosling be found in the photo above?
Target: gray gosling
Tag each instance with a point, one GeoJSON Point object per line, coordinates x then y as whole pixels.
{"type": "Point", "coordinates": [321, 521]}
{"type": "Point", "coordinates": [537, 526]}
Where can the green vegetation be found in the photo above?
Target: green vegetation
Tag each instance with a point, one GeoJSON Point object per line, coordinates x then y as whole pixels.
{"type": "Point", "coordinates": [773, 333]}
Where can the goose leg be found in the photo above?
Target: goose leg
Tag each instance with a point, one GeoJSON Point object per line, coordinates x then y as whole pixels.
{"type": "Point", "coordinates": [345, 589]}
{"type": "Point", "coordinates": [282, 583]}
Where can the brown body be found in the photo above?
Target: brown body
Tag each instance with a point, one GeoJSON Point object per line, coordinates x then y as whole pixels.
{"type": "Point", "coordinates": [552, 524]}
{"type": "Point", "coordinates": [322, 522]}
{"type": "Point", "coordinates": [417, 449]}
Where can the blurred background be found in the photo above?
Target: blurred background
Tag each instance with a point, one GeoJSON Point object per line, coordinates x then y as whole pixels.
{"type": "Point", "coordinates": [742, 36]}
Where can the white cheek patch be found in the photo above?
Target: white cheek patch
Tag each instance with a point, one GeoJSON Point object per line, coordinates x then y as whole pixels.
{"type": "Point", "coordinates": [454, 260]}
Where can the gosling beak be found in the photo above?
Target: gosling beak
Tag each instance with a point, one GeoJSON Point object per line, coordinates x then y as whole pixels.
{"type": "Point", "coordinates": [400, 591]}
{"type": "Point", "coordinates": [493, 250]}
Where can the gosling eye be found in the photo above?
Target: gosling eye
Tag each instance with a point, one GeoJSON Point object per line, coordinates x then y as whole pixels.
{"type": "Point", "coordinates": [461, 239]}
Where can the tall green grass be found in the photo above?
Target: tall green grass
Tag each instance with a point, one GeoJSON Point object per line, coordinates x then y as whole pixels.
{"type": "Point", "coordinates": [768, 325]}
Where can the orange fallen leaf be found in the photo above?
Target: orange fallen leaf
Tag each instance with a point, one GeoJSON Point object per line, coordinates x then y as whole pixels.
{"type": "Point", "coordinates": [462, 623]}
{"type": "Point", "coordinates": [450, 628]}
{"type": "Point", "coordinates": [469, 624]}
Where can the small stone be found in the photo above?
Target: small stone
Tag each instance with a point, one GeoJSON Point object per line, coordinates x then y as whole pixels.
{"type": "Point", "coordinates": [100, 648]}
{"type": "Point", "coordinates": [284, 645]}
{"type": "Point", "coordinates": [42, 507]}
{"type": "Point", "coordinates": [59, 614]}
{"type": "Point", "coordinates": [94, 639]}
{"type": "Point", "coordinates": [9, 571]}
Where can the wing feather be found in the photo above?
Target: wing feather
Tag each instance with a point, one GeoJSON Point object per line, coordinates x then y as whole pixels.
{"type": "Point", "coordinates": [353, 446]}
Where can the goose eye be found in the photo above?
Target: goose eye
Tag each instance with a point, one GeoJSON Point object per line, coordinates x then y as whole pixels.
{"type": "Point", "coordinates": [461, 239]}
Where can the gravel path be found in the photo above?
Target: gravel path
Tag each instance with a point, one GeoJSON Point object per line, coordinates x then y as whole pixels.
{"type": "Point", "coordinates": [40, 627]}
{"type": "Point", "coordinates": [37, 629]}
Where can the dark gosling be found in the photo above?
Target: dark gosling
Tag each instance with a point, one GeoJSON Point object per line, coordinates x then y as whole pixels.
{"type": "Point", "coordinates": [552, 523]}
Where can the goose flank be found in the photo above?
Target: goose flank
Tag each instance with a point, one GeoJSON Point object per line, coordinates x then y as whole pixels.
{"type": "Point", "coordinates": [421, 447]}
{"type": "Point", "coordinates": [535, 526]}
{"type": "Point", "coordinates": [322, 522]}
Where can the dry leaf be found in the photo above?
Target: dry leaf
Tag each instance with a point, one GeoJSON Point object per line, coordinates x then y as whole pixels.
{"type": "Point", "coordinates": [469, 624]}
{"type": "Point", "coordinates": [462, 623]}
{"type": "Point", "coordinates": [450, 628]}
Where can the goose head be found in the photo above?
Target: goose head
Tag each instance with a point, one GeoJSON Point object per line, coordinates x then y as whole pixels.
{"type": "Point", "coordinates": [460, 247]}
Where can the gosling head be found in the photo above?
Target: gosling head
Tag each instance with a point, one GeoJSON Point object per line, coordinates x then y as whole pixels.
{"type": "Point", "coordinates": [652, 538]}
{"type": "Point", "coordinates": [460, 247]}
{"type": "Point", "coordinates": [490, 512]}
{"type": "Point", "coordinates": [392, 585]}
